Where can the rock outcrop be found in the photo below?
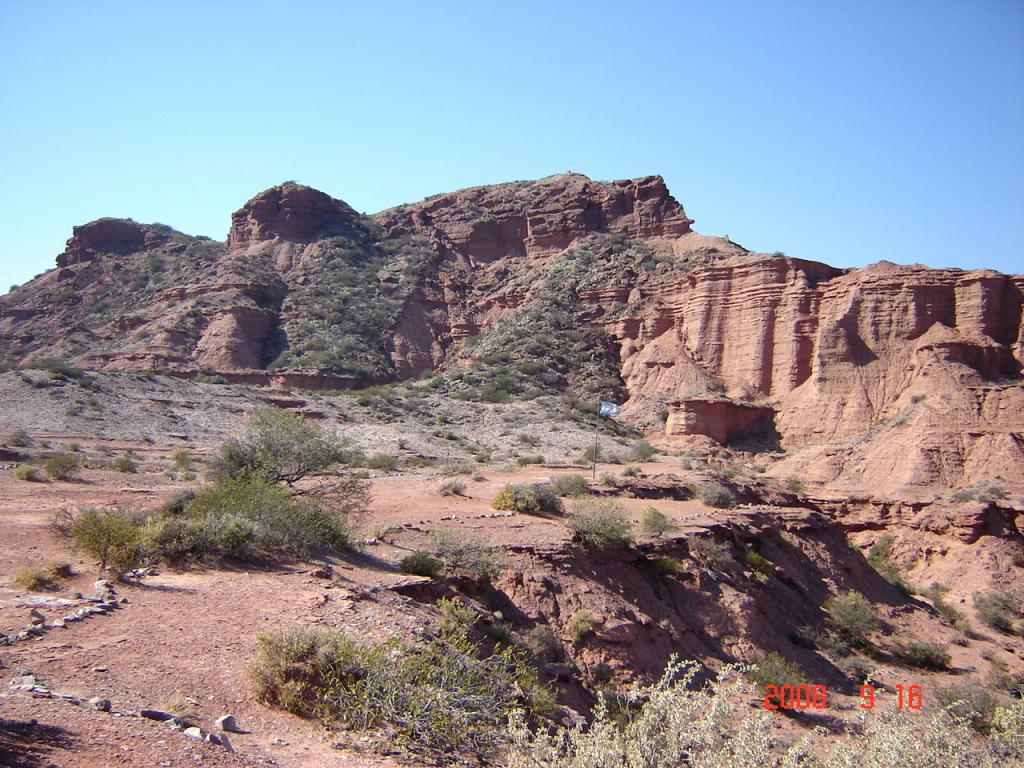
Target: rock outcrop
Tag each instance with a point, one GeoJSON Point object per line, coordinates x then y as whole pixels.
{"type": "Point", "coordinates": [289, 212]}
{"type": "Point", "coordinates": [899, 375]}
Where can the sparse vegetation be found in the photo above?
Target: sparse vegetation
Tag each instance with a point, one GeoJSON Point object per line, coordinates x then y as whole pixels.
{"type": "Point", "coordinates": [420, 564]}
{"type": "Point", "coordinates": [853, 617]}
{"type": "Point", "coordinates": [32, 578]}
{"type": "Point", "coordinates": [113, 538]}
{"type": "Point", "coordinates": [439, 695]}
{"type": "Point", "coordinates": [714, 554]}
{"type": "Point", "coordinates": [28, 472]}
{"type": "Point", "coordinates": [601, 525]}
{"type": "Point", "coordinates": [880, 558]}
{"type": "Point", "coordinates": [280, 448]}
{"type": "Point", "coordinates": [758, 562]}
{"type": "Point", "coordinates": [535, 499]}
{"type": "Point", "coordinates": [665, 565]}
{"type": "Point", "coordinates": [580, 624]}
{"type": "Point", "coordinates": [126, 463]}
{"type": "Point", "coordinates": [998, 610]}
{"type": "Point", "coordinates": [679, 722]}
{"type": "Point", "coordinates": [715, 495]}
{"type": "Point", "coordinates": [924, 655]}
{"type": "Point", "coordinates": [773, 669]}
{"type": "Point", "coordinates": [574, 485]}
{"type": "Point", "coordinates": [452, 487]}
{"type": "Point", "coordinates": [971, 702]}
{"type": "Point", "coordinates": [948, 613]}
{"type": "Point", "coordinates": [466, 555]}
{"type": "Point", "coordinates": [544, 644]}
{"type": "Point", "coordinates": [794, 484]}
{"type": "Point", "coordinates": [63, 465]}
{"type": "Point", "coordinates": [657, 523]}
{"type": "Point", "coordinates": [643, 451]}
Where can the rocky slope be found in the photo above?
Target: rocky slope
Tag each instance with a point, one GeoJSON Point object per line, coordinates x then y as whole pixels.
{"type": "Point", "coordinates": [883, 377]}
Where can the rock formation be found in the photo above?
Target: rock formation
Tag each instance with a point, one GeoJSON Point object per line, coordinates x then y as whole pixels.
{"type": "Point", "coordinates": [891, 375]}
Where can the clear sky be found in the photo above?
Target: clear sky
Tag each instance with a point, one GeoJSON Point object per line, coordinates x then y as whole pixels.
{"type": "Point", "coordinates": [843, 132]}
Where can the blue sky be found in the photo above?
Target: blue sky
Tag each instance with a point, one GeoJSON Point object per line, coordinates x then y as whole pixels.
{"type": "Point", "coordinates": [842, 132]}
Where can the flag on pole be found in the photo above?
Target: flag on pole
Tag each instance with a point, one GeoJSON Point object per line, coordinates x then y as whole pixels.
{"type": "Point", "coordinates": [610, 409]}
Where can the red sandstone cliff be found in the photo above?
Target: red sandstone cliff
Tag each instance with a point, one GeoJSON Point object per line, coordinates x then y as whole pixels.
{"type": "Point", "coordinates": [887, 375]}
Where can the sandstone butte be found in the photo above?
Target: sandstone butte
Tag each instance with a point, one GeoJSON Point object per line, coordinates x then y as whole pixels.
{"type": "Point", "coordinates": [877, 378]}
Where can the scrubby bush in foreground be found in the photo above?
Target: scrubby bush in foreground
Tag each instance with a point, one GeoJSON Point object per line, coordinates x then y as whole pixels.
{"type": "Point", "coordinates": [439, 695]}
{"type": "Point", "coordinates": [712, 726]}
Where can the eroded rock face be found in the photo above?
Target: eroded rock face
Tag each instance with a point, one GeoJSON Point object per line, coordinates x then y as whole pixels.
{"type": "Point", "coordinates": [289, 212]}
{"type": "Point", "coordinates": [116, 236]}
{"type": "Point", "coordinates": [919, 366]}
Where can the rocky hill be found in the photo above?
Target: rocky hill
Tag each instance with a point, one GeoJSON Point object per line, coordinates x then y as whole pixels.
{"type": "Point", "coordinates": [883, 377]}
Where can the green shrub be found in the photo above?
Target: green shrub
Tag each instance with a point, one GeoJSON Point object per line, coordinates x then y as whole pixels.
{"type": "Point", "coordinates": [794, 484]}
{"type": "Point", "coordinates": [948, 613]}
{"type": "Point", "coordinates": [183, 461]}
{"type": "Point", "coordinates": [758, 562]}
{"type": "Point", "coordinates": [32, 578]}
{"type": "Point", "coordinates": [382, 462]}
{"type": "Point", "coordinates": [880, 558]}
{"type": "Point", "coordinates": [125, 463]}
{"type": "Point", "coordinates": [420, 564]}
{"type": "Point", "coordinates": [773, 669]}
{"type": "Point", "coordinates": [715, 495]}
{"type": "Point", "coordinates": [523, 461]}
{"type": "Point", "coordinates": [62, 465]}
{"type": "Point", "coordinates": [574, 485]}
{"type": "Point", "coordinates": [997, 610]}
{"type": "Point", "coordinates": [206, 378]}
{"type": "Point", "coordinates": [580, 624]}
{"type": "Point", "coordinates": [535, 499]}
{"type": "Point", "coordinates": [714, 554]}
{"type": "Point", "coordinates": [607, 480]}
{"type": "Point", "coordinates": [630, 471]}
{"type": "Point", "coordinates": [464, 554]}
{"type": "Point", "coordinates": [924, 655]}
{"type": "Point", "coordinates": [859, 669]}
{"type": "Point", "coordinates": [28, 472]}
{"type": "Point", "coordinates": [439, 695]}
{"type": "Point", "coordinates": [601, 525]}
{"type": "Point", "coordinates": [279, 447]}
{"type": "Point", "coordinates": [666, 566]}
{"type": "Point", "coordinates": [971, 702]}
{"type": "Point", "coordinates": [643, 451]}
{"type": "Point", "coordinates": [250, 518]}
{"type": "Point", "coordinates": [18, 439]}
{"type": "Point", "coordinates": [544, 644]}
{"type": "Point", "coordinates": [679, 722]}
{"type": "Point", "coordinates": [113, 538]}
{"type": "Point", "coordinates": [853, 617]}
{"type": "Point", "coordinates": [657, 523]}
{"type": "Point", "coordinates": [452, 488]}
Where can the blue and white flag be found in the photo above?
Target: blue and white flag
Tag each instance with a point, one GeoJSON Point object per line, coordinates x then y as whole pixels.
{"type": "Point", "coordinates": [610, 409]}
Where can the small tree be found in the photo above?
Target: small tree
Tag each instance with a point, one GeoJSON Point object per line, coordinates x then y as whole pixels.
{"type": "Point", "coordinates": [112, 538]}
{"type": "Point", "coordinates": [280, 447]}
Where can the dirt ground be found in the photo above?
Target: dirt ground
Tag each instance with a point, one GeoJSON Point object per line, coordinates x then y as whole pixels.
{"type": "Point", "coordinates": [191, 634]}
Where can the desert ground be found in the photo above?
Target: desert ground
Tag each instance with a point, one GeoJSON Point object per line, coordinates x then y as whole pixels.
{"type": "Point", "coordinates": [183, 635]}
